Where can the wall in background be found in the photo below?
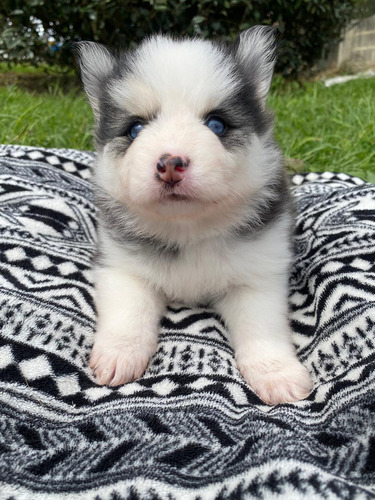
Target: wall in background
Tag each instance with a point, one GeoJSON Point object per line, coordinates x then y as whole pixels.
{"type": "Point", "coordinates": [357, 50]}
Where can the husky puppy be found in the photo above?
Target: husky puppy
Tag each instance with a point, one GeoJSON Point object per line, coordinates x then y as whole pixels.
{"type": "Point", "coordinates": [194, 203]}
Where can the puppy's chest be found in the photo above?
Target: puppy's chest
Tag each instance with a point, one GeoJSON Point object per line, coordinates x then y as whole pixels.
{"type": "Point", "coordinates": [198, 273]}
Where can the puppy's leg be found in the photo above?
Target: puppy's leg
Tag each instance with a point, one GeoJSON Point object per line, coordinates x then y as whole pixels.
{"type": "Point", "coordinates": [258, 326]}
{"type": "Point", "coordinates": [127, 329]}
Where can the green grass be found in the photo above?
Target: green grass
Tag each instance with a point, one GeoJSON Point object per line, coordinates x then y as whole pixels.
{"type": "Point", "coordinates": [51, 119]}
{"type": "Point", "coordinates": [327, 128]}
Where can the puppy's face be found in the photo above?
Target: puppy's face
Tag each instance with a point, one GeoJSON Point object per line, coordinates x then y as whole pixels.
{"type": "Point", "coordinates": [180, 124]}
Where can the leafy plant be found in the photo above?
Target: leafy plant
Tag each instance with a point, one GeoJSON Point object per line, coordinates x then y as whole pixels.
{"type": "Point", "coordinates": [307, 27]}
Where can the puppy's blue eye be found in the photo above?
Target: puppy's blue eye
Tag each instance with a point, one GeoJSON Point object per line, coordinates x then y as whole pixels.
{"type": "Point", "coordinates": [135, 128]}
{"type": "Point", "coordinates": [216, 125]}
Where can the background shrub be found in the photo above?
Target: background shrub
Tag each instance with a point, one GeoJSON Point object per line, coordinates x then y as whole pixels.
{"type": "Point", "coordinates": [308, 28]}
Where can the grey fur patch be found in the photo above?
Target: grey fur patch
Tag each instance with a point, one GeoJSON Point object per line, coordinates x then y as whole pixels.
{"type": "Point", "coordinates": [113, 124]}
{"type": "Point", "coordinates": [244, 111]}
{"type": "Point", "coordinates": [121, 225]}
{"type": "Point", "coordinates": [264, 211]}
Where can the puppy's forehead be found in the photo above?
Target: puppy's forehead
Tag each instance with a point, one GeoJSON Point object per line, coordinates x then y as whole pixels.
{"type": "Point", "coordinates": [163, 73]}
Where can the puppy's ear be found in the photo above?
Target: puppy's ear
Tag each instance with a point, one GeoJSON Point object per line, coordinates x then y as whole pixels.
{"type": "Point", "coordinates": [96, 63]}
{"type": "Point", "coordinates": [256, 52]}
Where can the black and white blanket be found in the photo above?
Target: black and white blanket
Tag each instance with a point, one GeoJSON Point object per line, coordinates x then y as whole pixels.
{"type": "Point", "coordinates": [190, 428]}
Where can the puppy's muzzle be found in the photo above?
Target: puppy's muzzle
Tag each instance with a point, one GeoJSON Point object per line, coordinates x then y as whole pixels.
{"type": "Point", "coordinates": [171, 169]}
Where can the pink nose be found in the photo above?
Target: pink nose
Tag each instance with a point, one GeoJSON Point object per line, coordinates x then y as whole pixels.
{"type": "Point", "coordinates": [170, 169]}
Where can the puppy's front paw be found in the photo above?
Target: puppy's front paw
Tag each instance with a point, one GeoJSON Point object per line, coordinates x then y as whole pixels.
{"type": "Point", "coordinates": [278, 381]}
{"type": "Point", "coordinates": [116, 363]}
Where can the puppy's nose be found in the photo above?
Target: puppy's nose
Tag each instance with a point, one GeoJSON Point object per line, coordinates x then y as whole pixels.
{"type": "Point", "coordinates": [170, 168]}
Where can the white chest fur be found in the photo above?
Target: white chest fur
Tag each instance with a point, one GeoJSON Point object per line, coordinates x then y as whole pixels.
{"type": "Point", "coordinates": [203, 271]}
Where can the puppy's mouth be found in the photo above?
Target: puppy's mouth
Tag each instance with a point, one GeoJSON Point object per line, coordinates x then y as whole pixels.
{"type": "Point", "coordinates": [174, 198]}
{"type": "Point", "coordinates": [177, 197]}
{"type": "Point", "coordinates": [174, 193]}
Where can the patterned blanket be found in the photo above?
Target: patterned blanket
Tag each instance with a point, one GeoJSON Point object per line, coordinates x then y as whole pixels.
{"type": "Point", "coordinates": [190, 428]}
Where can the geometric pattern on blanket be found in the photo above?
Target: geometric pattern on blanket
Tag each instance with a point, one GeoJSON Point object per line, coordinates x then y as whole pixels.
{"type": "Point", "coordinates": [190, 427]}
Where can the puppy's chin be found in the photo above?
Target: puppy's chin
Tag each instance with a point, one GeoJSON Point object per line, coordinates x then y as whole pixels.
{"type": "Point", "coordinates": [188, 199]}
{"type": "Point", "coordinates": [174, 208]}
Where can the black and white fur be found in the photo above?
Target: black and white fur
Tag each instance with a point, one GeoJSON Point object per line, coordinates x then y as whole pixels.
{"type": "Point", "coordinates": [219, 232]}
